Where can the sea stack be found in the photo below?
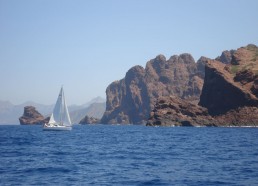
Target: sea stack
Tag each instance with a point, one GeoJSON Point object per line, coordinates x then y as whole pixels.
{"type": "Point", "coordinates": [32, 117]}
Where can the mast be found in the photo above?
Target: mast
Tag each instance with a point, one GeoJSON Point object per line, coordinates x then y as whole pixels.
{"type": "Point", "coordinates": [61, 107]}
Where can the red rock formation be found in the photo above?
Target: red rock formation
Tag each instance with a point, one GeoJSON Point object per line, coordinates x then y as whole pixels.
{"type": "Point", "coordinates": [32, 117]}
{"type": "Point", "coordinates": [226, 56]}
{"type": "Point", "coordinates": [173, 111]}
{"type": "Point", "coordinates": [226, 89]}
{"type": "Point", "coordinates": [244, 77]}
{"type": "Point", "coordinates": [131, 99]}
{"type": "Point", "coordinates": [241, 116]}
{"type": "Point", "coordinates": [229, 95]}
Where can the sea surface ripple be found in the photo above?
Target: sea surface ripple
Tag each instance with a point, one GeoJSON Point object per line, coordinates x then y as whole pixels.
{"type": "Point", "coordinates": [128, 155]}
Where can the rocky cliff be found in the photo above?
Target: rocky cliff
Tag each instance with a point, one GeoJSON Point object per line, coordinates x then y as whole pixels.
{"type": "Point", "coordinates": [32, 117]}
{"type": "Point", "coordinates": [131, 99]}
{"type": "Point", "coordinates": [224, 91]}
{"type": "Point", "coordinates": [174, 111]}
{"type": "Point", "coordinates": [229, 95]}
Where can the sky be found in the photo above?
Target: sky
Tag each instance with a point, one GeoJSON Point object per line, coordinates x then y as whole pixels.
{"type": "Point", "coordinates": [85, 45]}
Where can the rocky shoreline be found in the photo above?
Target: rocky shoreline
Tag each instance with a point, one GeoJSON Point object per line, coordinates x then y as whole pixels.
{"type": "Point", "coordinates": [229, 97]}
{"type": "Point", "coordinates": [221, 92]}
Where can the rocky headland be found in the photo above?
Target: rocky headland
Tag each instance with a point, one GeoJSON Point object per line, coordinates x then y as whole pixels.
{"type": "Point", "coordinates": [32, 117]}
{"type": "Point", "coordinates": [130, 100]}
{"type": "Point", "coordinates": [182, 92]}
{"type": "Point", "coordinates": [228, 98]}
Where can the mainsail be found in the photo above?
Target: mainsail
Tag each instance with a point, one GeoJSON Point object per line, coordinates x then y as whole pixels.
{"type": "Point", "coordinates": [60, 115]}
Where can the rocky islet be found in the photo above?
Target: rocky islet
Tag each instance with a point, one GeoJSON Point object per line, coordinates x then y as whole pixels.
{"type": "Point", "coordinates": [32, 117]}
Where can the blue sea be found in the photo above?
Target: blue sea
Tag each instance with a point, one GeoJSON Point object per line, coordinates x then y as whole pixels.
{"type": "Point", "coordinates": [128, 155]}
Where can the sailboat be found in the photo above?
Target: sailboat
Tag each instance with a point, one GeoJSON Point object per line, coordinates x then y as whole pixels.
{"type": "Point", "coordinates": [60, 118]}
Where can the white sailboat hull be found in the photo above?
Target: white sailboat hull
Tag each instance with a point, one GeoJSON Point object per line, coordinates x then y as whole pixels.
{"type": "Point", "coordinates": [56, 128]}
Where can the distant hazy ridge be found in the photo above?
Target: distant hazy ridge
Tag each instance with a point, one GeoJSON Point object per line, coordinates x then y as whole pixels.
{"type": "Point", "coordinates": [9, 113]}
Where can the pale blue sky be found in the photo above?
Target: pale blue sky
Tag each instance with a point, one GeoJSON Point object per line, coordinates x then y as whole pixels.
{"type": "Point", "coordinates": [86, 45]}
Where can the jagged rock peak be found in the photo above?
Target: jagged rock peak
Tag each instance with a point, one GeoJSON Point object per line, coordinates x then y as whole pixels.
{"type": "Point", "coordinates": [232, 56]}
{"type": "Point", "coordinates": [203, 59]}
{"type": "Point", "coordinates": [160, 57]}
{"type": "Point", "coordinates": [182, 58]}
{"type": "Point", "coordinates": [135, 71]}
{"type": "Point", "coordinates": [187, 58]}
{"type": "Point", "coordinates": [251, 46]}
{"type": "Point", "coordinates": [226, 56]}
{"type": "Point", "coordinates": [174, 58]}
{"type": "Point", "coordinates": [132, 98]}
